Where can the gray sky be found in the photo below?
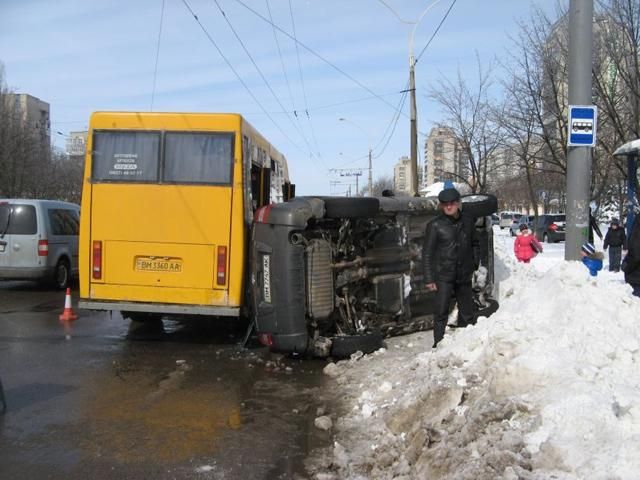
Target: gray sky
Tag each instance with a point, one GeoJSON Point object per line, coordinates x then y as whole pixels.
{"type": "Point", "coordinates": [82, 56]}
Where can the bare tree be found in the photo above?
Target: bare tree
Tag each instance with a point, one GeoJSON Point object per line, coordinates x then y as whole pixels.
{"type": "Point", "coordinates": [468, 114]}
{"type": "Point", "coordinates": [534, 111]}
{"type": "Point", "coordinates": [27, 166]}
{"type": "Point", "coordinates": [381, 183]}
{"type": "Point", "coordinates": [616, 76]}
{"type": "Point", "coordinates": [21, 152]}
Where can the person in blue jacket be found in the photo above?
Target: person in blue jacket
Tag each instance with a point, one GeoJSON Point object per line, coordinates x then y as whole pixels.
{"type": "Point", "coordinates": [591, 258]}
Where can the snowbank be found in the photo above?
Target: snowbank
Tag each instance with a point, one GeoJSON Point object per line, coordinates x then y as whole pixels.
{"type": "Point", "coordinates": [547, 387]}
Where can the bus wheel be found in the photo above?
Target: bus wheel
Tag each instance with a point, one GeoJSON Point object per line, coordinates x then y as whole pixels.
{"type": "Point", "coordinates": [349, 207]}
{"type": "Point", "coordinates": [143, 317]}
{"type": "Point", "coordinates": [144, 323]}
{"type": "Point", "coordinates": [343, 346]}
{"type": "Point", "coordinates": [61, 274]}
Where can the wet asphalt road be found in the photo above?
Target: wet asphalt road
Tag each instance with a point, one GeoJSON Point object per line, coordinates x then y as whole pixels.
{"type": "Point", "coordinates": [114, 402]}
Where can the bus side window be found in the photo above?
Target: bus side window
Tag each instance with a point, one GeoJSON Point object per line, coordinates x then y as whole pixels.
{"type": "Point", "coordinates": [265, 187]}
{"type": "Point", "coordinates": [288, 191]}
{"type": "Point", "coordinates": [260, 187]}
{"type": "Point", "coordinates": [255, 187]}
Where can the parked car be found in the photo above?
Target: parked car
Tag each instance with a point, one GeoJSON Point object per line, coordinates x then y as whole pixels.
{"type": "Point", "coordinates": [39, 240]}
{"type": "Point", "coordinates": [527, 220]}
{"type": "Point", "coordinates": [550, 228]}
{"type": "Point", "coordinates": [333, 275]}
{"type": "Point", "coordinates": [507, 217]}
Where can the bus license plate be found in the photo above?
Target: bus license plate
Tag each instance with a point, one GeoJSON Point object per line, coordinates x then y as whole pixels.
{"type": "Point", "coordinates": [151, 264]}
{"type": "Point", "coordinates": [266, 272]}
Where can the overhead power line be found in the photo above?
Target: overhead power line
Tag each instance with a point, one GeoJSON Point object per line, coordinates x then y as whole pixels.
{"type": "Point", "coordinates": [235, 72]}
{"type": "Point", "coordinates": [391, 127]}
{"type": "Point", "coordinates": [317, 55]}
{"type": "Point", "coordinates": [264, 79]}
{"type": "Point", "coordinates": [155, 68]}
{"type": "Point", "coordinates": [304, 90]}
{"type": "Point", "coordinates": [437, 29]}
{"type": "Point", "coordinates": [284, 70]}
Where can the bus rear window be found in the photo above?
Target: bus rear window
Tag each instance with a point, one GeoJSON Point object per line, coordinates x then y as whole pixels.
{"type": "Point", "coordinates": [125, 156]}
{"type": "Point", "coordinates": [16, 219]}
{"type": "Point", "coordinates": [198, 158]}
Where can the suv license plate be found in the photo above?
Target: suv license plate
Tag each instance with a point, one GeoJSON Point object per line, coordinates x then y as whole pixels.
{"type": "Point", "coordinates": [150, 264]}
{"type": "Point", "coordinates": [266, 278]}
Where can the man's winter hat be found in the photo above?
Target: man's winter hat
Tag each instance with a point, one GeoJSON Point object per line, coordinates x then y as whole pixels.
{"type": "Point", "coordinates": [588, 248]}
{"type": "Point", "coordinates": [524, 227]}
{"type": "Point", "coordinates": [449, 195]}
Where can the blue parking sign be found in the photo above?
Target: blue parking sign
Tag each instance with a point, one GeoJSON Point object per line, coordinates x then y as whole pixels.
{"type": "Point", "coordinates": [583, 120]}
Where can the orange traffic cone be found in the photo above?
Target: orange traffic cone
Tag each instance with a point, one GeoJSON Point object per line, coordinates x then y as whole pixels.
{"type": "Point", "coordinates": [68, 314]}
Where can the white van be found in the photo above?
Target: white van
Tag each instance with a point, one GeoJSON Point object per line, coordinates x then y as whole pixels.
{"type": "Point", "coordinates": [507, 217]}
{"type": "Point", "coordinates": [39, 240]}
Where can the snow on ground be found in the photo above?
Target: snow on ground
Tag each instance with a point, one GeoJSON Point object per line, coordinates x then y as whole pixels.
{"type": "Point", "coordinates": [547, 387]}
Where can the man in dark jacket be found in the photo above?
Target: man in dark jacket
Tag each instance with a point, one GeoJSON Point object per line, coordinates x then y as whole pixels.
{"type": "Point", "coordinates": [449, 261]}
{"type": "Point", "coordinates": [616, 241]}
{"type": "Point", "coordinates": [631, 263]}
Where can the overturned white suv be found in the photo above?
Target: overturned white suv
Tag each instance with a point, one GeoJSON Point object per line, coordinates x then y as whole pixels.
{"type": "Point", "coordinates": [333, 275]}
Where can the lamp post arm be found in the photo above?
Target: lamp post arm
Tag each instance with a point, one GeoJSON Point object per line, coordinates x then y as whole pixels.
{"type": "Point", "coordinates": [413, 31]}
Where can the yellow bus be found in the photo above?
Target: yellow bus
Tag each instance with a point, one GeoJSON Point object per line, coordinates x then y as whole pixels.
{"type": "Point", "coordinates": [167, 203]}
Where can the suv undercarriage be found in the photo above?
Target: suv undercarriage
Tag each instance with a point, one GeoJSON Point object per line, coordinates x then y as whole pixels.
{"type": "Point", "coordinates": [332, 275]}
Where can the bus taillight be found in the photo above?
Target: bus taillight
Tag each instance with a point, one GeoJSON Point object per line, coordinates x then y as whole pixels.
{"type": "Point", "coordinates": [222, 266]}
{"type": "Point", "coordinates": [97, 259]}
{"type": "Point", "coordinates": [43, 248]}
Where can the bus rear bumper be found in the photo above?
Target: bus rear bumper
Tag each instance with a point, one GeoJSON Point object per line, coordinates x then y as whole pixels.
{"type": "Point", "coordinates": [160, 308]}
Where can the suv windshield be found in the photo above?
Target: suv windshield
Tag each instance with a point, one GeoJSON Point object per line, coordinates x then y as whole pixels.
{"type": "Point", "coordinates": [16, 219]}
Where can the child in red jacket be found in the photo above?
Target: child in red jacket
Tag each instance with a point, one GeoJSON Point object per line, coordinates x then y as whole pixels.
{"type": "Point", "coordinates": [526, 245]}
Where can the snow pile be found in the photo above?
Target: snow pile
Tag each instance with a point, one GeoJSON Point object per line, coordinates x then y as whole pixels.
{"type": "Point", "coordinates": [545, 388]}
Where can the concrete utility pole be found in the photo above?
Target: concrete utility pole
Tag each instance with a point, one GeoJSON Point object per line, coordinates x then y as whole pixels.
{"type": "Point", "coordinates": [412, 91]}
{"type": "Point", "coordinates": [579, 158]}
{"type": "Point", "coordinates": [413, 111]}
{"type": "Point", "coordinates": [370, 174]}
{"type": "Point", "coordinates": [414, 125]}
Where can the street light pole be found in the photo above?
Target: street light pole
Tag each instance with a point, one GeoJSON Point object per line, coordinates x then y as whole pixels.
{"type": "Point", "coordinates": [414, 126]}
{"type": "Point", "coordinates": [413, 112]}
{"type": "Point", "coordinates": [370, 173]}
{"type": "Point", "coordinates": [342, 119]}
{"type": "Point", "coordinates": [579, 158]}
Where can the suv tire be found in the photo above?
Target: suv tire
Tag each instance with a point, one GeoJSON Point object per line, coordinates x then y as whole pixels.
{"type": "Point", "coordinates": [346, 345]}
{"type": "Point", "coordinates": [480, 205]}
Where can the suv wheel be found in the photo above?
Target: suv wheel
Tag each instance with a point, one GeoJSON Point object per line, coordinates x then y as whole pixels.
{"type": "Point", "coordinates": [61, 274]}
{"type": "Point", "coordinates": [479, 204]}
{"type": "Point", "coordinates": [344, 346]}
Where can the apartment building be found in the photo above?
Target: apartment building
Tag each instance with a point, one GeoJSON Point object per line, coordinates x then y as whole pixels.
{"type": "Point", "coordinates": [444, 158]}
